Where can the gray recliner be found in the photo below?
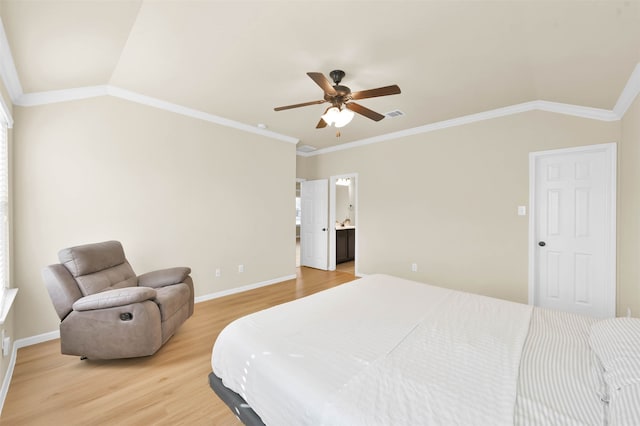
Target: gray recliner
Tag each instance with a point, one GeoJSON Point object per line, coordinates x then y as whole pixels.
{"type": "Point", "coordinates": [108, 312]}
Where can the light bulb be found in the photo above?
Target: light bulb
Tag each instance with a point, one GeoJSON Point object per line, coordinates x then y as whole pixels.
{"type": "Point", "coordinates": [331, 115]}
{"type": "Point", "coordinates": [344, 117]}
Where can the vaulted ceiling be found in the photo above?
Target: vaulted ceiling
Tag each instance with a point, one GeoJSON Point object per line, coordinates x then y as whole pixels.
{"type": "Point", "coordinates": [240, 59]}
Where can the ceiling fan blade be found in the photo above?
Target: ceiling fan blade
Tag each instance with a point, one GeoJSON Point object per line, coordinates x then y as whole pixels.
{"type": "Point", "coordinates": [299, 105]}
{"type": "Point", "coordinates": [322, 81]}
{"type": "Point", "coordinates": [321, 124]}
{"type": "Point", "coordinates": [364, 111]}
{"type": "Point", "coordinates": [374, 93]}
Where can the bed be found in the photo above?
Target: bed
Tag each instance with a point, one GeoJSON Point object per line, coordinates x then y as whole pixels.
{"type": "Point", "coordinates": [383, 350]}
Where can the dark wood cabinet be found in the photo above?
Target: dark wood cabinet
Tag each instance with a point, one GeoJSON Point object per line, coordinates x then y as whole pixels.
{"type": "Point", "coordinates": [345, 245]}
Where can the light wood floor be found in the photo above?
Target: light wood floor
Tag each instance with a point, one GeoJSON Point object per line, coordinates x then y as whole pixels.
{"type": "Point", "coordinates": [349, 267]}
{"type": "Point", "coordinates": [168, 388]}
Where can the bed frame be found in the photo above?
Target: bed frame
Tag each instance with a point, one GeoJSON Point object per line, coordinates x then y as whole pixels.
{"type": "Point", "coordinates": [235, 402]}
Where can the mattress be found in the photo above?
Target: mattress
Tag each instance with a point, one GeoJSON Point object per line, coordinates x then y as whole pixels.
{"type": "Point", "coordinates": [383, 350]}
{"type": "Point", "coordinates": [380, 350]}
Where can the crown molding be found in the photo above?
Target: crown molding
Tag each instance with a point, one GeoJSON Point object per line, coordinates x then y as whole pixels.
{"type": "Point", "coordinates": [576, 110]}
{"type": "Point", "coordinates": [56, 96]}
{"type": "Point", "coordinates": [629, 93]}
{"type": "Point", "coordinates": [626, 98]}
{"type": "Point", "coordinates": [193, 113]}
{"type": "Point", "coordinates": [5, 113]}
{"type": "Point", "coordinates": [8, 67]}
{"type": "Point", "coordinates": [555, 107]}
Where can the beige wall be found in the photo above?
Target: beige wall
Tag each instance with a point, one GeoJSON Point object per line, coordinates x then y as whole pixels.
{"type": "Point", "coordinates": [447, 200]}
{"type": "Point", "coordinates": [629, 213]}
{"type": "Point", "coordinates": [175, 191]}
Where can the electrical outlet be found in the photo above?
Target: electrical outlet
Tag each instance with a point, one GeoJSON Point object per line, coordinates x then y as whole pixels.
{"type": "Point", "coordinates": [6, 343]}
{"type": "Point", "coordinates": [414, 267]}
{"type": "Point", "coordinates": [218, 273]}
{"type": "Point", "coordinates": [240, 268]}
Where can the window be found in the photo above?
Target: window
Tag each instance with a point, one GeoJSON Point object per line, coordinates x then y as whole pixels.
{"type": "Point", "coordinates": [4, 210]}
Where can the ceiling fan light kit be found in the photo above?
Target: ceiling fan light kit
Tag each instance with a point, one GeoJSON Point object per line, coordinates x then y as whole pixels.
{"type": "Point", "coordinates": [342, 108]}
{"type": "Point", "coordinates": [338, 117]}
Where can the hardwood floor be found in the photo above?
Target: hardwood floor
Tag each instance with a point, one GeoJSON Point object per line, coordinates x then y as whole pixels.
{"type": "Point", "coordinates": [168, 388]}
{"type": "Point", "coordinates": [349, 267]}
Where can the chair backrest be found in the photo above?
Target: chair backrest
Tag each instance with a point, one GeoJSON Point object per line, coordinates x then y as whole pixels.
{"type": "Point", "coordinates": [86, 270]}
{"type": "Point", "coordinates": [62, 288]}
{"type": "Point", "coordinates": [98, 267]}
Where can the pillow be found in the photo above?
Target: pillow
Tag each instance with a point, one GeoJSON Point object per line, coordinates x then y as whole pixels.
{"type": "Point", "coordinates": [624, 408]}
{"type": "Point", "coordinates": [616, 342]}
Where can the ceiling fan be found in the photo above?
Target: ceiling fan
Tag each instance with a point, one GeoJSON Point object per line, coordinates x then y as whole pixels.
{"type": "Point", "coordinates": [340, 97]}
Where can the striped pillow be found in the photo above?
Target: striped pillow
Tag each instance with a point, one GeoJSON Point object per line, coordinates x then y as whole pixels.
{"type": "Point", "coordinates": [624, 406]}
{"type": "Point", "coordinates": [616, 342]}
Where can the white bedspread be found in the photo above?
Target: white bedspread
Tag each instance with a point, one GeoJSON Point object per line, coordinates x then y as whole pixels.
{"type": "Point", "coordinates": [378, 351]}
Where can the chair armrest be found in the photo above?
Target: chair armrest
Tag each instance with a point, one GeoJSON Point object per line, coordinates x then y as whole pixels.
{"type": "Point", "coordinates": [114, 298]}
{"type": "Point", "coordinates": [164, 277]}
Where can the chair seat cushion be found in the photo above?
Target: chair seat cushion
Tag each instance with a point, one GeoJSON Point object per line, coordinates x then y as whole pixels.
{"type": "Point", "coordinates": [171, 298]}
{"type": "Point", "coordinates": [113, 298]}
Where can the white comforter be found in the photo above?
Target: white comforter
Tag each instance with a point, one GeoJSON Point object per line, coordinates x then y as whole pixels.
{"type": "Point", "coordinates": [378, 351]}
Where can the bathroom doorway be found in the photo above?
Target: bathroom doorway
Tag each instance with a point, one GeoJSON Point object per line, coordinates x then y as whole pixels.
{"type": "Point", "coordinates": [343, 223]}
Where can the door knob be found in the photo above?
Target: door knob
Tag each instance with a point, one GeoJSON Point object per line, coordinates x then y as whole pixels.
{"type": "Point", "coordinates": [324, 229]}
{"type": "Point", "coordinates": [542, 244]}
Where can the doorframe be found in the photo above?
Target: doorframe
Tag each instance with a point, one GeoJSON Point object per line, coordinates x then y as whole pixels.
{"type": "Point", "coordinates": [298, 264]}
{"type": "Point", "coordinates": [332, 219]}
{"type": "Point", "coordinates": [611, 150]}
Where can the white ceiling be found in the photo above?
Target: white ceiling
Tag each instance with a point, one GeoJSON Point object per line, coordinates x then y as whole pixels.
{"type": "Point", "coordinates": [238, 59]}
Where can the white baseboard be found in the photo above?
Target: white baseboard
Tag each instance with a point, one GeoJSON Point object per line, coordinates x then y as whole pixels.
{"type": "Point", "coordinates": [231, 291]}
{"type": "Point", "coordinates": [7, 377]}
{"type": "Point", "coordinates": [34, 340]}
{"type": "Point", "coordinates": [21, 343]}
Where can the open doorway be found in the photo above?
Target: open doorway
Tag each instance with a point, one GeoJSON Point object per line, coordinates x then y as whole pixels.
{"type": "Point", "coordinates": [343, 220]}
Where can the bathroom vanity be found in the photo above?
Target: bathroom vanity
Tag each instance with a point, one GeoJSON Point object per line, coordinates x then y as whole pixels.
{"type": "Point", "coordinates": [345, 244]}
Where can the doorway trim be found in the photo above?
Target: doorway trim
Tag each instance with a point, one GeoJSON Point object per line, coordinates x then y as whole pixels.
{"type": "Point", "coordinates": [298, 259]}
{"type": "Point", "coordinates": [611, 150]}
{"type": "Point", "coordinates": [332, 219]}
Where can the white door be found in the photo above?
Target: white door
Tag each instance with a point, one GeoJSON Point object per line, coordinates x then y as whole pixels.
{"type": "Point", "coordinates": [314, 222]}
{"type": "Point", "coordinates": [573, 219]}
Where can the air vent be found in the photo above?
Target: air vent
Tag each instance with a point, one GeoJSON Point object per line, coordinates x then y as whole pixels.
{"type": "Point", "coordinates": [395, 113]}
{"type": "Point", "coordinates": [306, 148]}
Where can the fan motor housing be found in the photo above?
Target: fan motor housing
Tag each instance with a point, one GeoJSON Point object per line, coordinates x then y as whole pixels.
{"type": "Point", "coordinates": [343, 94]}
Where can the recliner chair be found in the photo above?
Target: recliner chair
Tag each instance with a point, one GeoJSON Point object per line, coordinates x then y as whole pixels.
{"type": "Point", "coordinates": [108, 312]}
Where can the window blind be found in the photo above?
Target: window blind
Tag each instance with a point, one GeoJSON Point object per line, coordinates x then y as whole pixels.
{"type": "Point", "coordinates": [4, 210]}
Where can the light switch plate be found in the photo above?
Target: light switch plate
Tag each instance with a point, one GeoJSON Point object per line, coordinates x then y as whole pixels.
{"type": "Point", "coordinates": [522, 210]}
